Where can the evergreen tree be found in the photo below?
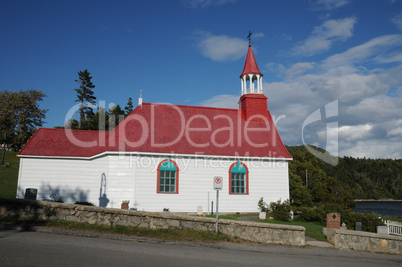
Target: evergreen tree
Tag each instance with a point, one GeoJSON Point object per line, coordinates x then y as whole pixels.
{"type": "Point", "coordinates": [129, 107]}
{"type": "Point", "coordinates": [85, 96]}
{"type": "Point", "coordinates": [116, 115]}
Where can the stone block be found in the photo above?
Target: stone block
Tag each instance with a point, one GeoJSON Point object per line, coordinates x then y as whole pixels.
{"type": "Point", "coordinates": [187, 225]}
{"type": "Point", "coordinates": [382, 230]}
{"type": "Point", "coordinates": [173, 223]}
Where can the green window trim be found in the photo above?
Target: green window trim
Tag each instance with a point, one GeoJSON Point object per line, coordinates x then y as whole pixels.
{"type": "Point", "coordinates": [238, 177]}
{"type": "Point", "coordinates": [168, 177]}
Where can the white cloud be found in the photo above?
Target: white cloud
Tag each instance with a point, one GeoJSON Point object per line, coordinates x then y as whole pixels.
{"type": "Point", "coordinates": [258, 35]}
{"type": "Point", "coordinates": [222, 101]}
{"type": "Point", "coordinates": [375, 47]}
{"type": "Point", "coordinates": [205, 3]}
{"type": "Point", "coordinates": [397, 131]}
{"type": "Point", "coordinates": [222, 47]}
{"type": "Point", "coordinates": [328, 4]}
{"type": "Point", "coordinates": [369, 118]}
{"type": "Point", "coordinates": [398, 21]}
{"type": "Point", "coordinates": [324, 35]}
{"type": "Point", "coordinates": [355, 132]}
{"type": "Point", "coordinates": [299, 68]}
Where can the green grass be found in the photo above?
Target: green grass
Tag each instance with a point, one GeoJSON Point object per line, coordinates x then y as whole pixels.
{"type": "Point", "coordinates": [165, 234]}
{"type": "Point", "coordinates": [313, 230]}
{"type": "Point", "coordinates": [233, 216]}
{"type": "Point", "coordinates": [9, 175]}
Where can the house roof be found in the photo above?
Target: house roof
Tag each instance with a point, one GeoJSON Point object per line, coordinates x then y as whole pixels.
{"type": "Point", "coordinates": [250, 67]}
{"type": "Point", "coordinates": [163, 128]}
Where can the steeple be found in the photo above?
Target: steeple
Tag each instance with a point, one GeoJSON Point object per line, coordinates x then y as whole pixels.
{"type": "Point", "coordinates": [252, 102]}
{"type": "Point", "coordinates": [251, 73]}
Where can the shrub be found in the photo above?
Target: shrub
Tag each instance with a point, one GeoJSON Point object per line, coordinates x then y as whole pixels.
{"type": "Point", "coordinates": [86, 203]}
{"type": "Point", "coordinates": [281, 211]}
{"type": "Point", "coordinates": [56, 198]}
{"type": "Point", "coordinates": [262, 206]}
{"type": "Point", "coordinates": [319, 214]}
{"type": "Point", "coordinates": [314, 214]}
{"type": "Point", "coordinates": [369, 221]}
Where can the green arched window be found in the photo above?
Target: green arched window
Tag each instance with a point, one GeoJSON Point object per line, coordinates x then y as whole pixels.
{"type": "Point", "coordinates": [238, 179]}
{"type": "Point", "coordinates": [168, 177]}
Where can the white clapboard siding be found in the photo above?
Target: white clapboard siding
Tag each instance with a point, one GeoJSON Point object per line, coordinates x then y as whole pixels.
{"type": "Point", "coordinates": [71, 179]}
{"type": "Point", "coordinates": [196, 185]}
{"type": "Point", "coordinates": [134, 178]}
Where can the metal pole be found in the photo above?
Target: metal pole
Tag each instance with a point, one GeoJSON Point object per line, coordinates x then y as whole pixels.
{"type": "Point", "coordinates": [306, 179]}
{"type": "Point", "coordinates": [212, 207]}
{"type": "Point", "coordinates": [217, 199]}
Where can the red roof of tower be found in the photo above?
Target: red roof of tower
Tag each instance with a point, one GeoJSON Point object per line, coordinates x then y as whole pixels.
{"type": "Point", "coordinates": [251, 65]}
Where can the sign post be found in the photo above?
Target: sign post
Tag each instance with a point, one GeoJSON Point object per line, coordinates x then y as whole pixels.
{"type": "Point", "coordinates": [217, 186]}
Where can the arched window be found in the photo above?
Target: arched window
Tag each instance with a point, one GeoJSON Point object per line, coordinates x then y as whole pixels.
{"type": "Point", "coordinates": [168, 177]}
{"type": "Point", "coordinates": [238, 179]}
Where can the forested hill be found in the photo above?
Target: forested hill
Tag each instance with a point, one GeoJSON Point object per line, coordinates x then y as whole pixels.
{"type": "Point", "coordinates": [350, 179]}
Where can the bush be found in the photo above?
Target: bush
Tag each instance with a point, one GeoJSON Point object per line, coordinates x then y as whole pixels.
{"type": "Point", "coordinates": [263, 207]}
{"type": "Point", "coordinates": [280, 211]}
{"type": "Point", "coordinates": [369, 221]}
{"type": "Point", "coordinates": [314, 214]}
{"type": "Point", "coordinates": [319, 215]}
{"type": "Point", "coordinates": [86, 203]}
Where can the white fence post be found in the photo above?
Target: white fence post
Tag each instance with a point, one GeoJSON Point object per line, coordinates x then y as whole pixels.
{"type": "Point", "coordinates": [394, 228]}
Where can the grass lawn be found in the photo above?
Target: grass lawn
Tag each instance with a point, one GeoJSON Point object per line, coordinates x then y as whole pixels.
{"type": "Point", "coordinates": [9, 175]}
{"type": "Point", "coordinates": [313, 230]}
{"type": "Point", "coordinates": [186, 235]}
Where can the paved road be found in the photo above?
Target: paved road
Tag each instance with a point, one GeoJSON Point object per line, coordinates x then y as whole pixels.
{"type": "Point", "coordinates": [48, 249]}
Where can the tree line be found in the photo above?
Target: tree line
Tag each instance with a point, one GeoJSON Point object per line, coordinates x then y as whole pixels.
{"type": "Point", "coordinates": [314, 182]}
{"type": "Point", "coordinates": [20, 115]}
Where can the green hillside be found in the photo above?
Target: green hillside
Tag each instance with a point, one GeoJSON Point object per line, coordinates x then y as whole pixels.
{"type": "Point", "coordinates": [9, 174]}
{"type": "Point", "coordinates": [350, 179]}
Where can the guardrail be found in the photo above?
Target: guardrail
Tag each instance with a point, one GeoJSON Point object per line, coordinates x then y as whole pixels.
{"type": "Point", "coordinates": [394, 228]}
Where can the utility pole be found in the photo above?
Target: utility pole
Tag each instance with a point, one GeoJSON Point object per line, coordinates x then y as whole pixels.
{"type": "Point", "coordinates": [306, 179]}
{"type": "Point", "coordinates": [4, 149]}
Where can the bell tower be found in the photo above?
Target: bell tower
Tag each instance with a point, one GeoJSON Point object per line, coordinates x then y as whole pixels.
{"type": "Point", "coordinates": [253, 102]}
{"type": "Point", "coordinates": [251, 74]}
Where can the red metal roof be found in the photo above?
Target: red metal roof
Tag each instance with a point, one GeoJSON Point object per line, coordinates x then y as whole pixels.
{"type": "Point", "coordinates": [250, 67]}
{"type": "Point", "coordinates": [163, 128]}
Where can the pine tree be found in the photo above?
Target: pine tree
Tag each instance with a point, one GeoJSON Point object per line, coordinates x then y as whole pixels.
{"type": "Point", "coordinates": [116, 115]}
{"type": "Point", "coordinates": [129, 107]}
{"type": "Point", "coordinates": [85, 95]}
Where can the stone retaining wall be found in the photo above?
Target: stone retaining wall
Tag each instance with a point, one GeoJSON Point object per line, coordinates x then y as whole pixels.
{"type": "Point", "coordinates": [364, 241]}
{"type": "Point", "coordinates": [257, 232]}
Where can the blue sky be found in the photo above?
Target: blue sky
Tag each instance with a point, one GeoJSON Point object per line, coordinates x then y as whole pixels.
{"type": "Point", "coordinates": [311, 53]}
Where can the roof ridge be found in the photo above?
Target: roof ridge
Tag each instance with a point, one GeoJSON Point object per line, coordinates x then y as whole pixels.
{"type": "Point", "coordinates": [186, 106]}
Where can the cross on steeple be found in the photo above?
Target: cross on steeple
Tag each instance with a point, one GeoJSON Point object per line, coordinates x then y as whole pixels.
{"type": "Point", "coordinates": [249, 38]}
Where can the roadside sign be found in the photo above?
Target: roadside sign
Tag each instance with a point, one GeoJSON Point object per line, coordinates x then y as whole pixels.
{"type": "Point", "coordinates": [218, 181]}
